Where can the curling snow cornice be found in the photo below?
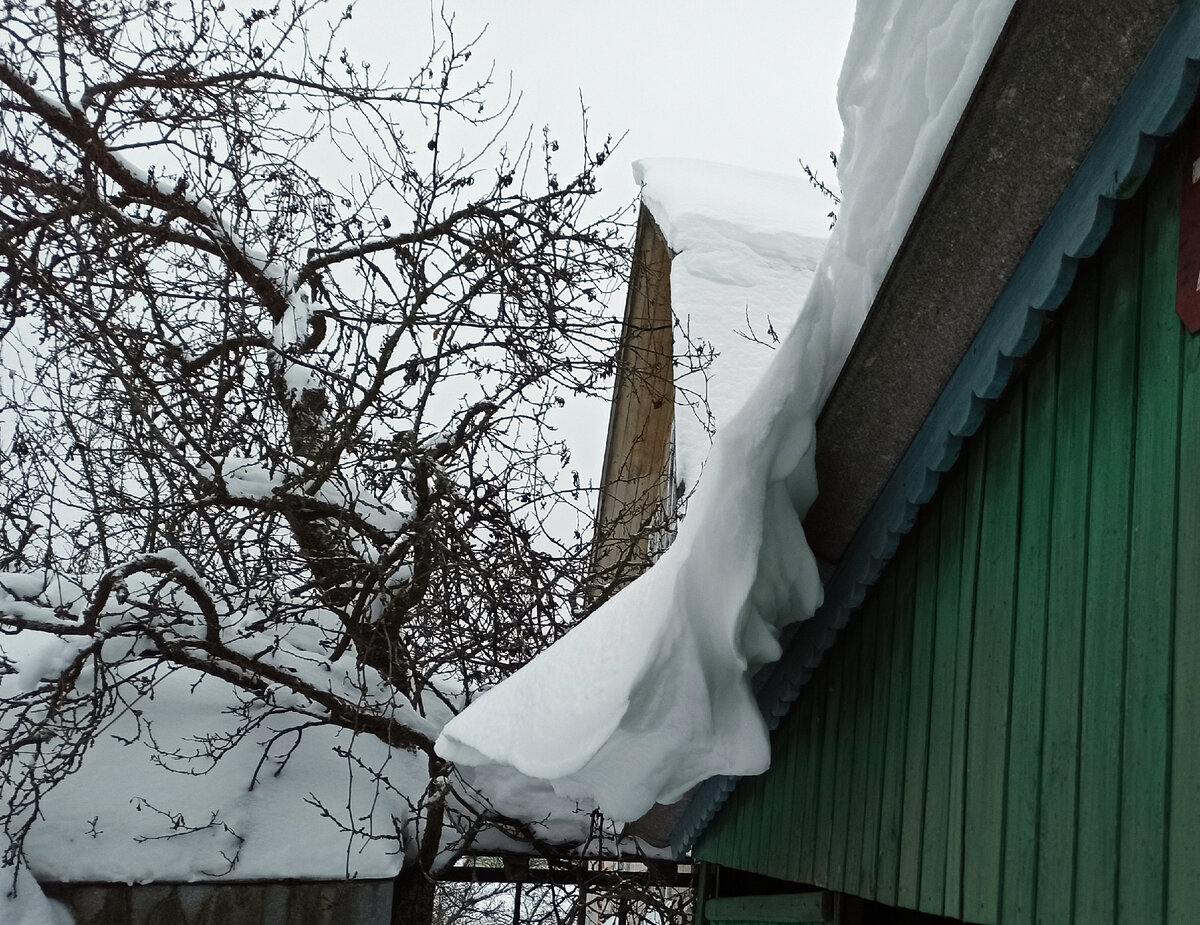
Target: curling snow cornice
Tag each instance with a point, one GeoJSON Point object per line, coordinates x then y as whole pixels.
{"type": "Point", "coordinates": [1151, 107]}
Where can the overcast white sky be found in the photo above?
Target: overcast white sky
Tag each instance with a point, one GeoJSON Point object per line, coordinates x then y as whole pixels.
{"type": "Point", "coordinates": [749, 83]}
{"type": "Point", "coordinates": [752, 83]}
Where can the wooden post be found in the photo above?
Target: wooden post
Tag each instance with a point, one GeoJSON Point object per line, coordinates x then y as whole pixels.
{"type": "Point", "coordinates": [582, 904]}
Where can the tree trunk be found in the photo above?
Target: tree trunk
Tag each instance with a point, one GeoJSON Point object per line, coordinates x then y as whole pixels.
{"type": "Point", "coordinates": [412, 898]}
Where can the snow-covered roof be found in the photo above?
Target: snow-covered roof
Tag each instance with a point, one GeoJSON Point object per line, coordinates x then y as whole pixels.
{"type": "Point", "coordinates": [650, 695]}
{"type": "Point", "coordinates": [1032, 120]}
{"type": "Point", "coordinates": [170, 790]}
{"type": "Point", "coordinates": [187, 780]}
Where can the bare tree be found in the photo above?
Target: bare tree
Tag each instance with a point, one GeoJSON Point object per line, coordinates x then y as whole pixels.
{"type": "Point", "coordinates": [596, 893]}
{"type": "Point", "coordinates": [281, 336]}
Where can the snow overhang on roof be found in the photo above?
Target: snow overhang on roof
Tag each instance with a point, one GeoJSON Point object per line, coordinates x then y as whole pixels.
{"type": "Point", "coordinates": [1061, 125]}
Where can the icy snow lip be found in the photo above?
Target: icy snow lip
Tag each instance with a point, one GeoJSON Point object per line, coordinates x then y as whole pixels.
{"type": "Point", "coordinates": [649, 695]}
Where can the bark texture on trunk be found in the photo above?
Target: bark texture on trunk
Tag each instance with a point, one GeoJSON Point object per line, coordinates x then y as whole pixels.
{"type": "Point", "coordinates": [412, 900]}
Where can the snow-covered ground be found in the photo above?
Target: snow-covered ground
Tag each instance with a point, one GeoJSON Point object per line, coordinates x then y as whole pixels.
{"type": "Point", "coordinates": [650, 695]}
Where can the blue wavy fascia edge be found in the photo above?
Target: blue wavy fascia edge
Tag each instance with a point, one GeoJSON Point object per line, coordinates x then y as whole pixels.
{"type": "Point", "coordinates": [1152, 107]}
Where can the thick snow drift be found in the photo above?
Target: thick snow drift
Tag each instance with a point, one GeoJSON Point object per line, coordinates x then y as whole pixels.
{"type": "Point", "coordinates": [651, 694]}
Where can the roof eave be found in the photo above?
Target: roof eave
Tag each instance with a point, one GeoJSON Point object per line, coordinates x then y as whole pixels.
{"type": "Point", "coordinates": [1051, 84]}
{"type": "Point", "coordinates": [903, 430]}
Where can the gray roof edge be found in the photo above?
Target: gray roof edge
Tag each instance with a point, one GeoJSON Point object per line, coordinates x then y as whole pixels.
{"type": "Point", "coordinates": [1051, 84]}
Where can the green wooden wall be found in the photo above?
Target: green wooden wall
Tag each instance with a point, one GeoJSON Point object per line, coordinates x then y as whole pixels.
{"type": "Point", "coordinates": [1009, 729]}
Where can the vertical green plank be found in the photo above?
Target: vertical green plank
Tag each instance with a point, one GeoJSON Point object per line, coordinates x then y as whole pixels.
{"type": "Point", "coordinates": [991, 664]}
{"type": "Point", "coordinates": [1064, 605]}
{"type": "Point", "coordinates": [786, 797]}
{"type": "Point", "coordinates": [1141, 893]}
{"type": "Point", "coordinates": [824, 828]}
{"type": "Point", "coordinates": [805, 835]}
{"type": "Point", "coordinates": [818, 690]}
{"type": "Point", "coordinates": [766, 809]}
{"type": "Point", "coordinates": [1018, 901]}
{"type": "Point", "coordinates": [972, 510]}
{"type": "Point", "coordinates": [713, 842]}
{"type": "Point", "coordinates": [735, 827]}
{"type": "Point", "coordinates": [776, 799]}
{"type": "Point", "coordinates": [792, 742]}
{"type": "Point", "coordinates": [738, 823]}
{"type": "Point", "coordinates": [893, 782]}
{"type": "Point", "coordinates": [802, 778]}
{"type": "Point", "coordinates": [937, 778]}
{"type": "Point", "coordinates": [917, 752]}
{"type": "Point", "coordinates": [716, 842]}
{"type": "Point", "coordinates": [799, 835]}
{"type": "Point", "coordinates": [885, 613]}
{"type": "Point", "coordinates": [1108, 561]}
{"type": "Point", "coordinates": [1183, 882]}
{"type": "Point", "coordinates": [717, 839]}
{"type": "Point", "coordinates": [700, 890]}
{"type": "Point", "coordinates": [851, 643]}
{"type": "Point", "coordinates": [708, 844]}
{"type": "Point", "coordinates": [801, 761]}
{"type": "Point", "coordinates": [758, 811]}
{"type": "Point", "coordinates": [862, 750]}
{"type": "Point", "coordinates": [766, 848]}
{"type": "Point", "coordinates": [731, 819]}
{"type": "Point", "coordinates": [801, 773]}
{"type": "Point", "coordinates": [743, 823]}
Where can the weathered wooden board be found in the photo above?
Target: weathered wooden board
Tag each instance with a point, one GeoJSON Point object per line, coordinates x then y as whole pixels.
{"type": "Point", "coordinates": [794, 908]}
{"type": "Point", "coordinates": [1145, 740]}
{"type": "Point", "coordinates": [1064, 605]}
{"type": "Point", "coordinates": [1105, 603]}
